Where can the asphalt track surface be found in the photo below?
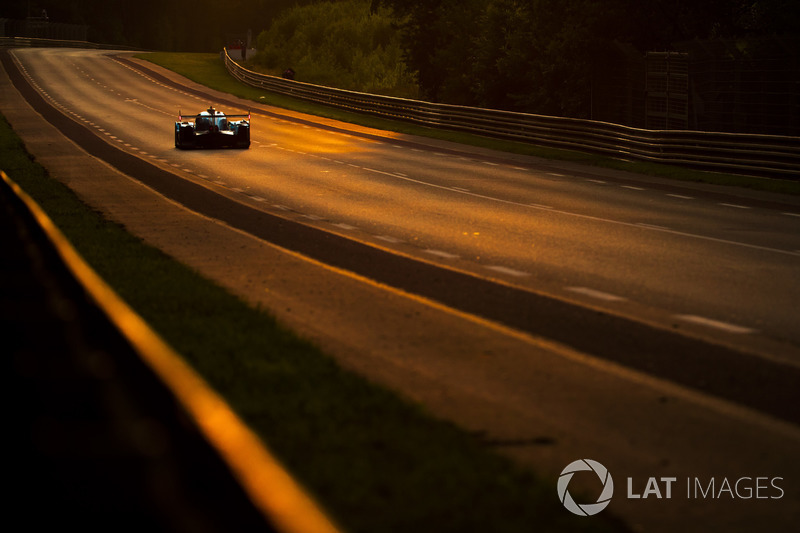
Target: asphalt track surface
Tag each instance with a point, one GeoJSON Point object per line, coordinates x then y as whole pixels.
{"type": "Point", "coordinates": [759, 246]}
{"type": "Point", "coordinates": [639, 345]}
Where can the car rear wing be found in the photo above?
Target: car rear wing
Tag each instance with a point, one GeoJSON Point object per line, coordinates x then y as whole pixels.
{"type": "Point", "coordinates": [194, 115]}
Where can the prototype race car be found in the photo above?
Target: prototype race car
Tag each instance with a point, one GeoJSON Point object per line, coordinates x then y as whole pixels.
{"type": "Point", "coordinates": [213, 129]}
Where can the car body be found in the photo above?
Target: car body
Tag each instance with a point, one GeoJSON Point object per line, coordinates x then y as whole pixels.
{"type": "Point", "coordinates": [213, 129]}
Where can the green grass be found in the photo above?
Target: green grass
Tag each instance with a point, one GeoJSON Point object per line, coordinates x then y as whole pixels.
{"type": "Point", "coordinates": [209, 70]}
{"type": "Point", "coordinates": [374, 460]}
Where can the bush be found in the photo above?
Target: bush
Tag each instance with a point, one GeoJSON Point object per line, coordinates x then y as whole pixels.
{"type": "Point", "coordinates": [339, 44]}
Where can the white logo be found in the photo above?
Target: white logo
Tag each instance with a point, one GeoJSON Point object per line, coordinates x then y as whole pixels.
{"type": "Point", "coordinates": [587, 509]}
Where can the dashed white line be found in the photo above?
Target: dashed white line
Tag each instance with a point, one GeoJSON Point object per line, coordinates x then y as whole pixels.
{"type": "Point", "coordinates": [682, 197]}
{"type": "Point", "coordinates": [716, 324]}
{"type": "Point", "coordinates": [734, 206]}
{"type": "Point", "coordinates": [347, 227]}
{"type": "Point", "coordinates": [442, 254]}
{"type": "Point", "coordinates": [389, 238]}
{"type": "Point", "coordinates": [599, 295]}
{"type": "Point", "coordinates": [631, 187]}
{"type": "Point", "coordinates": [508, 271]}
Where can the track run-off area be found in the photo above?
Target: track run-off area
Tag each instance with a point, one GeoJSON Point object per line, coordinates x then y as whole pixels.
{"type": "Point", "coordinates": [569, 312]}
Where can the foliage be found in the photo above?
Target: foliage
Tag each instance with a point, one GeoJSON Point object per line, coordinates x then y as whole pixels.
{"type": "Point", "coordinates": [342, 44]}
{"type": "Point", "coordinates": [170, 25]}
{"type": "Point", "coordinates": [536, 55]}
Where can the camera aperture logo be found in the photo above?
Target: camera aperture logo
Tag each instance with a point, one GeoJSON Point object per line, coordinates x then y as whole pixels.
{"type": "Point", "coordinates": [697, 488]}
{"type": "Point", "coordinates": [586, 509]}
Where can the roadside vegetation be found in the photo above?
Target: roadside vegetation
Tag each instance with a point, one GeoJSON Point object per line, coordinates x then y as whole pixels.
{"type": "Point", "coordinates": [342, 44]}
{"type": "Point", "coordinates": [539, 56]}
{"type": "Point", "coordinates": [375, 461]}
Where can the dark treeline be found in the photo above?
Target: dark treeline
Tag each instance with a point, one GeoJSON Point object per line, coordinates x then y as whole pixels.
{"type": "Point", "coordinates": [170, 25]}
{"type": "Point", "coordinates": [537, 55]}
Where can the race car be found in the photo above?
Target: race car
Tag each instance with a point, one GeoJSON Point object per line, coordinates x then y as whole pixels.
{"type": "Point", "coordinates": [213, 129]}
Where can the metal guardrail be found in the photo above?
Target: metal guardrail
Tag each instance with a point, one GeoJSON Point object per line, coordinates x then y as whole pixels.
{"type": "Point", "coordinates": [33, 42]}
{"type": "Point", "coordinates": [762, 155]}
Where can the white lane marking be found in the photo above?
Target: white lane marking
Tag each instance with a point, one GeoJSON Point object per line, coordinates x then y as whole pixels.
{"type": "Point", "coordinates": [388, 238]}
{"type": "Point", "coordinates": [509, 271]}
{"type": "Point", "coordinates": [631, 187]}
{"type": "Point", "coordinates": [682, 197]}
{"type": "Point", "coordinates": [490, 163]}
{"type": "Point", "coordinates": [599, 295]}
{"type": "Point", "coordinates": [441, 253]}
{"type": "Point", "coordinates": [734, 205]}
{"type": "Point", "coordinates": [556, 174]}
{"type": "Point", "coordinates": [716, 324]}
{"type": "Point", "coordinates": [594, 218]}
{"type": "Point", "coordinates": [652, 226]}
{"type": "Point", "coordinates": [348, 227]}
{"type": "Point", "coordinates": [597, 181]}
{"type": "Point", "coordinates": [540, 206]}
{"type": "Point", "coordinates": [792, 214]}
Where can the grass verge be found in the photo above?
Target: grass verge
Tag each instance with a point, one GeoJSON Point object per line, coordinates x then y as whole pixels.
{"type": "Point", "coordinates": [208, 69]}
{"type": "Point", "coordinates": [374, 460]}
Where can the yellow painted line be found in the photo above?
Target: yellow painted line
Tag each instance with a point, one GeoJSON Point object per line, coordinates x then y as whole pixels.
{"type": "Point", "coordinates": [270, 487]}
